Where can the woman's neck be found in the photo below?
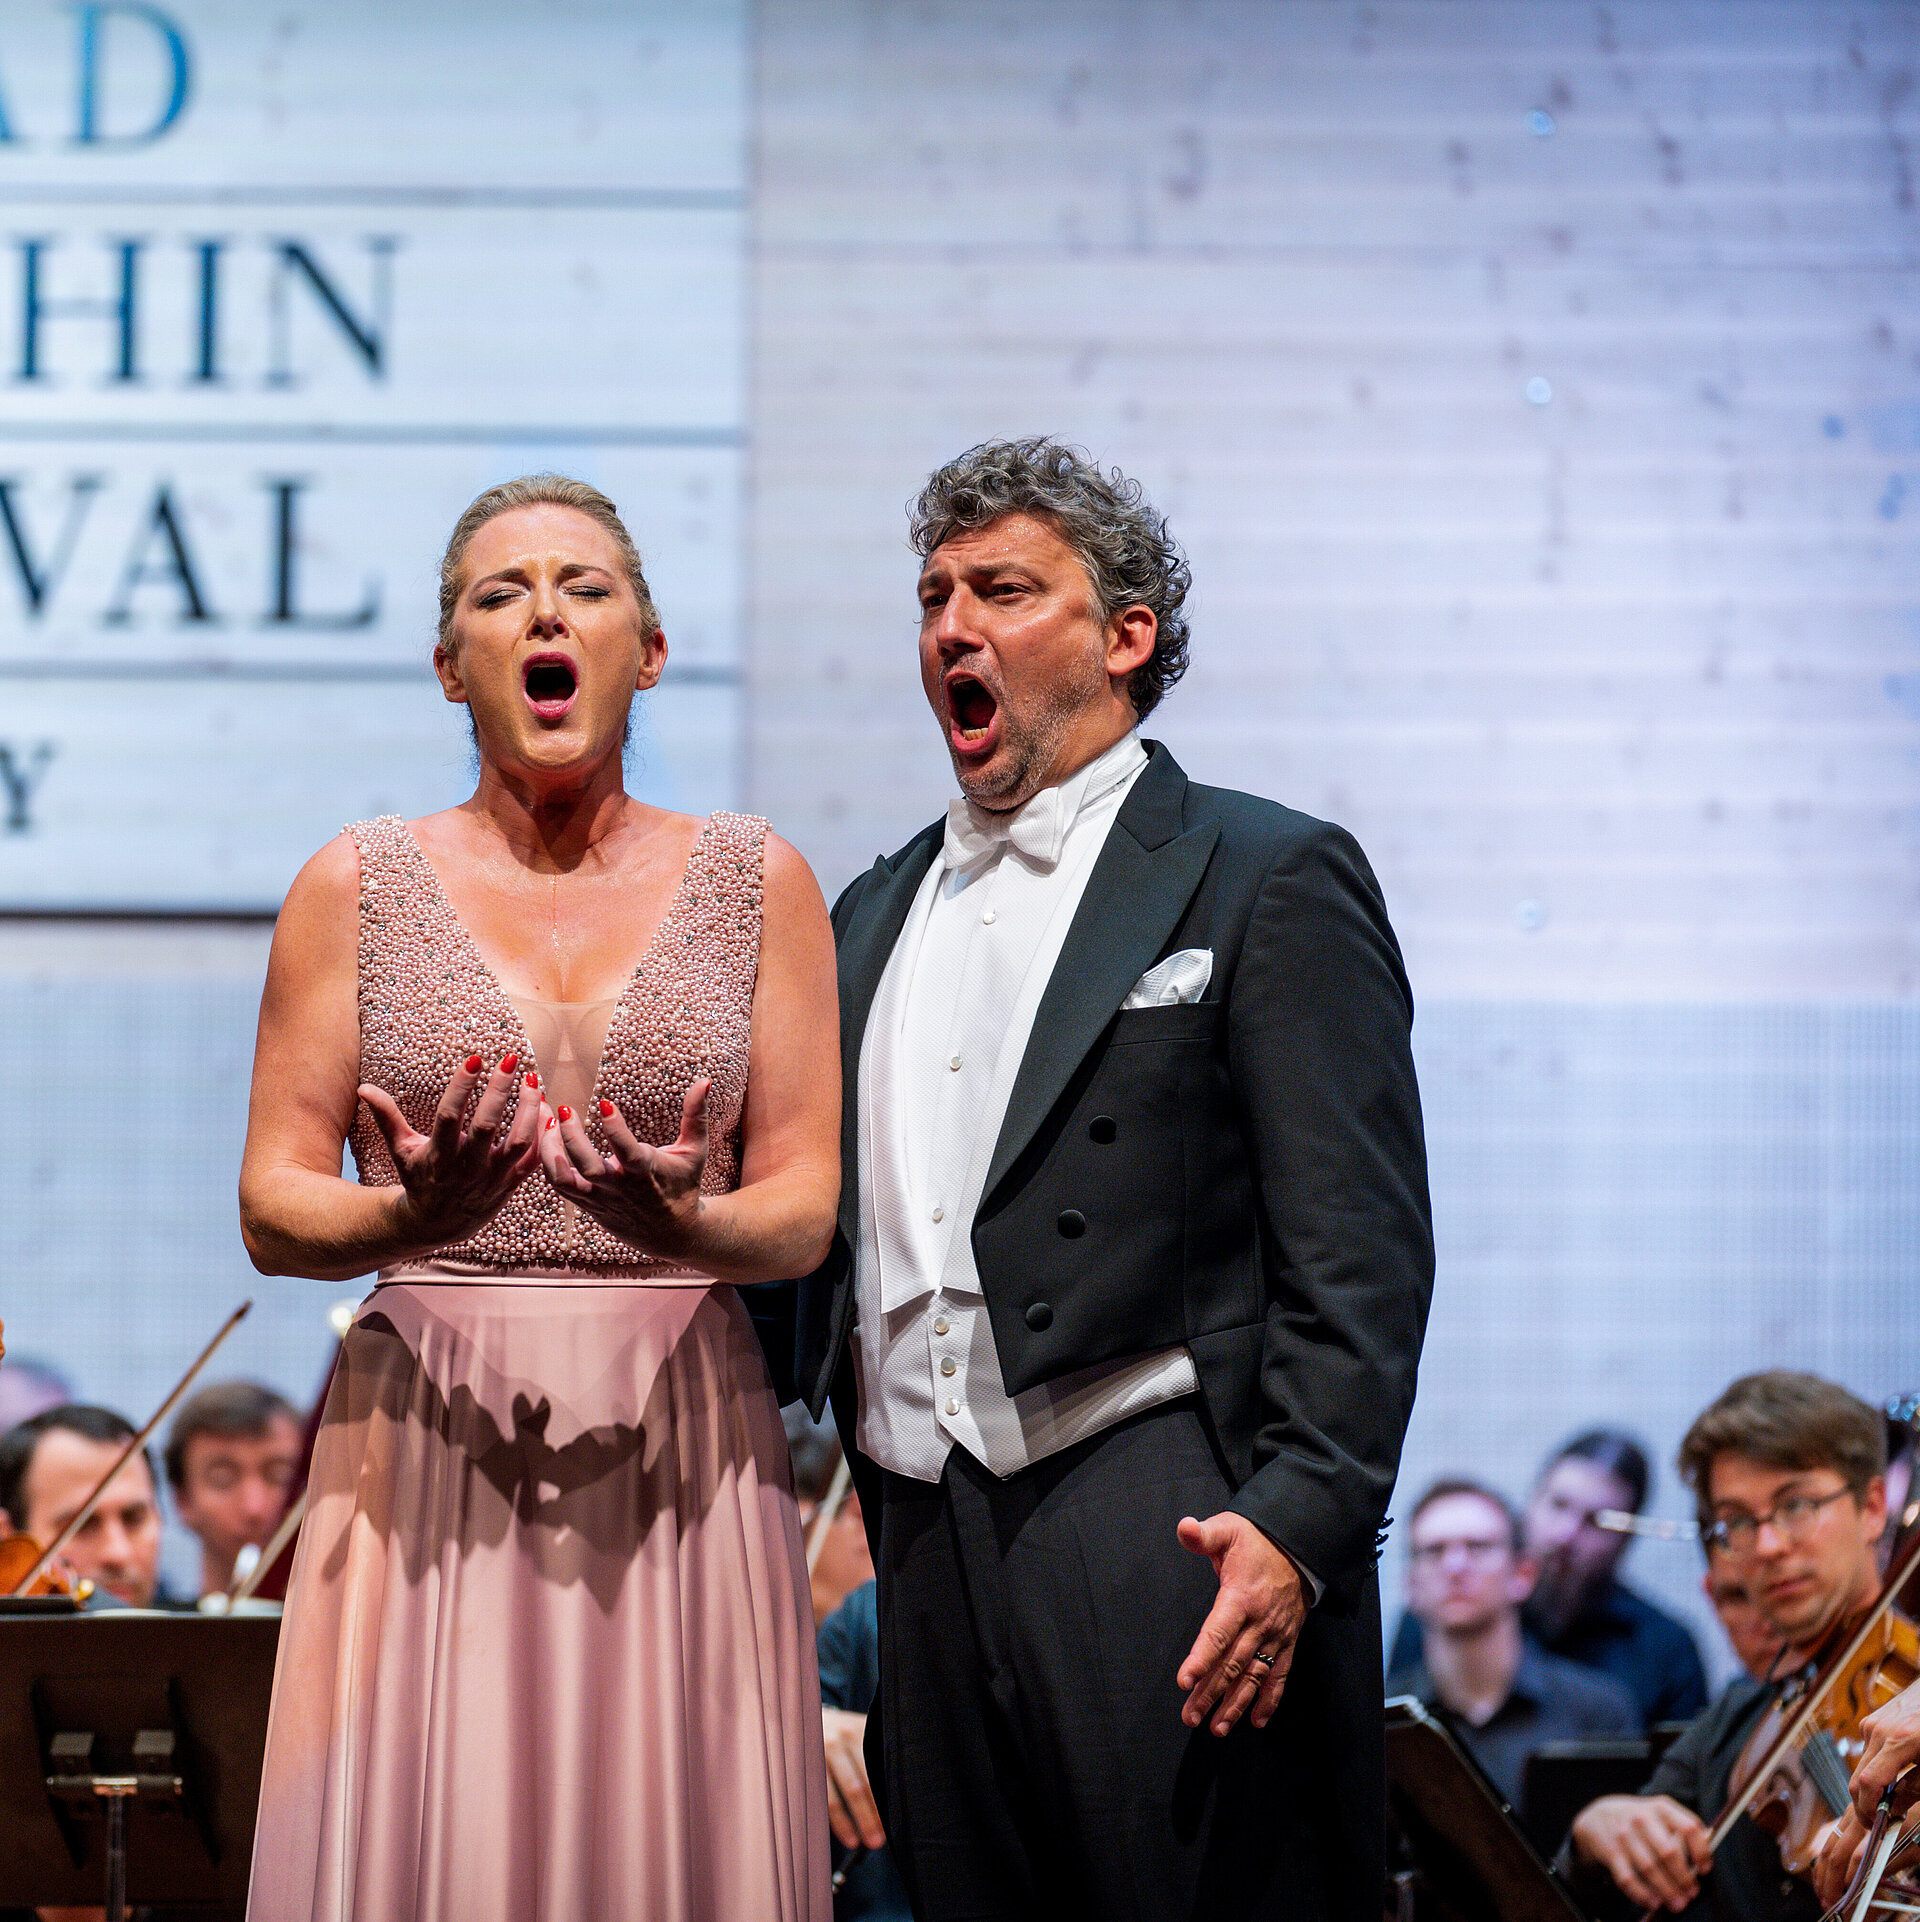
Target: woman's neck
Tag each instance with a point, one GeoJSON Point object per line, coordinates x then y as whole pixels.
{"type": "Point", "coordinates": [551, 827]}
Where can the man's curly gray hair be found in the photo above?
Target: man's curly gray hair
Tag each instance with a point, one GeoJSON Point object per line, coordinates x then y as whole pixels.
{"type": "Point", "coordinates": [1122, 541]}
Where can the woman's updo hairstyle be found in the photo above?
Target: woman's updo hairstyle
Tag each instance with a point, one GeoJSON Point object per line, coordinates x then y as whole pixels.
{"type": "Point", "coordinates": [541, 490]}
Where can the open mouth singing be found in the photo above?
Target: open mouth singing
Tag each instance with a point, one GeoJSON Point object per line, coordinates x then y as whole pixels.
{"type": "Point", "coordinates": [972, 710]}
{"type": "Point", "coordinates": [550, 682]}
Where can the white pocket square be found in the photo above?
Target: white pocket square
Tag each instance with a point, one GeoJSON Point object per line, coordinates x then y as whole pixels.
{"type": "Point", "coordinates": [1171, 983]}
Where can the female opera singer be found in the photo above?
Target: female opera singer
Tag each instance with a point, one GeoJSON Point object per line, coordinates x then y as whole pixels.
{"type": "Point", "coordinates": [548, 1647]}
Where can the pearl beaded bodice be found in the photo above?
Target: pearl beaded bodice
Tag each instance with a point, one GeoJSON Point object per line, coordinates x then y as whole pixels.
{"type": "Point", "coordinates": [428, 1000]}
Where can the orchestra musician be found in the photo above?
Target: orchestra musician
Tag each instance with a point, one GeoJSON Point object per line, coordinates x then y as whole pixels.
{"type": "Point", "coordinates": [1752, 1636]}
{"type": "Point", "coordinates": [1467, 1575]}
{"type": "Point", "coordinates": [50, 1463]}
{"type": "Point", "coordinates": [231, 1455]}
{"type": "Point", "coordinates": [1786, 1470]}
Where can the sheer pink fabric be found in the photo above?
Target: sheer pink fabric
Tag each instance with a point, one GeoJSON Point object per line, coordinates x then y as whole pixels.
{"type": "Point", "coordinates": [548, 1648]}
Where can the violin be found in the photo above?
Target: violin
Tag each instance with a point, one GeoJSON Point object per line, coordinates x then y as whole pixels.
{"type": "Point", "coordinates": [1791, 1776]}
{"type": "Point", "coordinates": [21, 1553]}
{"type": "Point", "coordinates": [1794, 1789]}
{"type": "Point", "coordinates": [1888, 1877]}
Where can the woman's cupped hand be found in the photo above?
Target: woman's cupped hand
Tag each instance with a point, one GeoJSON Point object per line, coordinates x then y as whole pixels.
{"type": "Point", "coordinates": [649, 1197]}
{"type": "Point", "coordinates": [459, 1174]}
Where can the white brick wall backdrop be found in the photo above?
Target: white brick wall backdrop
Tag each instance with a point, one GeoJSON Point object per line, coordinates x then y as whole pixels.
{"type": "Point", "coordinates": [1536, 388]}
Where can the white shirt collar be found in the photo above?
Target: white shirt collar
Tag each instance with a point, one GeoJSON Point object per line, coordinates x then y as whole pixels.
{"type": "Point", "coordinates": [1037, 830]}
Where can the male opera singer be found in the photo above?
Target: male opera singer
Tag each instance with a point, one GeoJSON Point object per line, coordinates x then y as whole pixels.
{"type": "Point", "coordinates": [1135, 1200]}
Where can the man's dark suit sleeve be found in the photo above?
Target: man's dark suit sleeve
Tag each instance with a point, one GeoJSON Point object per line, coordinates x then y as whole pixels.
{"type": "Point", "coordinates": [1319, 1016]}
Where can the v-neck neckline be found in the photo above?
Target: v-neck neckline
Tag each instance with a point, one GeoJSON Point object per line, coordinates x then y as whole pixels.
{"type": "Point", "coordinates": [619, 1000]}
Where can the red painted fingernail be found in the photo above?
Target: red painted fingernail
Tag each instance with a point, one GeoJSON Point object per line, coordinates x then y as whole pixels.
{"type": "Point", "coordinates": [533, 1080]}
{"type": "Point", "coordinates": [473, 1064]}
{"type": "Point", "coordinates": [566, 1114]}
{"type": "Point", "coordinates": [508, 1063]}
{"type": "Point", "coordinates": [549, 1121]}
{"type": "Point", "coordinates": [606, 1107]}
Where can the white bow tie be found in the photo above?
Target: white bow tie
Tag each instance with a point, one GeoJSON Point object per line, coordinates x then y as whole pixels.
{"type": "Point", "coordinates": [1037, 831]}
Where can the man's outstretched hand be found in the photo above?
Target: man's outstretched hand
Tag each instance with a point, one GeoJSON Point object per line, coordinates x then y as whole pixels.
{"type": "Point", "coordinates": [1258, 1611]}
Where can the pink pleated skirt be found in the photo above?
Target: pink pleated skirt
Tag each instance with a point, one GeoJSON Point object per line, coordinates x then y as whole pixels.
{"type": "Point", "coordinates": [548, 1649]}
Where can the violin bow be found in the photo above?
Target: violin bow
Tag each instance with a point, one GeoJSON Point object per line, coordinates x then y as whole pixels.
{"type": "Point", "coordinates": [242, 1590]}
{"type": "Point", "coordinates": [1623, 1521]}
{"type": "Point", "coordinates": [1885, 1840]}
{"type": "Point", "coordinates": [138, 1441]}
{"type": "Point", "coordinates": [824, 1515]}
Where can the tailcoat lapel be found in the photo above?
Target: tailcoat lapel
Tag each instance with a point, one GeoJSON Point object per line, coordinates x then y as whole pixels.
{"type": "Point", "coordinates": [864, 951]}
{"type": "Point", "coordinates": [1139, 888]}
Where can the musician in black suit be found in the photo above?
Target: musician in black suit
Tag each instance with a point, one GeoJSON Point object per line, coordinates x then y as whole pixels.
{"type": "Point", "coordinates": [1134, 1265]}
{"type": "Point", "coordinates": [1787, 1473]}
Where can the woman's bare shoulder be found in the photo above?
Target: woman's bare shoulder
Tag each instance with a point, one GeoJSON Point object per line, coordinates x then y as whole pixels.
{"type": "Point", "coordinates": [330, 879]}
{"type": "Point", "coordinates": [790, 892]}
{"type": "Point", "coordinates": [788, 877]}
{"type": "Point", "coordinates": [319, 921]}
{"type": "Point", "coordinates": [659, 820]}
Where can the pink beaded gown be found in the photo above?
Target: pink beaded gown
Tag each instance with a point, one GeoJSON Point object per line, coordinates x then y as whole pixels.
{"type": "Point", "coordinates": [548, 1646]}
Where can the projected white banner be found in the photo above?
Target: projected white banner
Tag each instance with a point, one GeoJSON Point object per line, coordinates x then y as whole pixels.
{"type": "Point", "coordinates": [279, 292]}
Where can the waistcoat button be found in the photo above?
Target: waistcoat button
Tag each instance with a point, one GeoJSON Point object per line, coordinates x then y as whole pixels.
{"type": "Point", "coordinates": [1102, 1128]}
{"type": "Point", "coordinates": [1040, 1317]}
{"type": "Point", "coordinates": [1072, 1224]}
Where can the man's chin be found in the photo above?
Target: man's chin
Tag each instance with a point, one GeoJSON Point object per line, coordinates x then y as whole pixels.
{"type": "Point", "coordinates": [998, 785]}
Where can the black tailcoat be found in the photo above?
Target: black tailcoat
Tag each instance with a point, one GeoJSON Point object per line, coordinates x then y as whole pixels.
{"type": "Point", "coordinates": [1244, 1175]}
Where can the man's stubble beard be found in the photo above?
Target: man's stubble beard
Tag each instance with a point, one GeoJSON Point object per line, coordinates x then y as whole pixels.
{"type": "Point", "coordinates": [1030, 749]}
{"type": "Point", "coordinates": [1558, 1598]}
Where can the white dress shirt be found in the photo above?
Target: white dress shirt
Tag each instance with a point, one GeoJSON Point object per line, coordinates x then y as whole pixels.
{"type": "Point", "coordinates": [948, 1029]}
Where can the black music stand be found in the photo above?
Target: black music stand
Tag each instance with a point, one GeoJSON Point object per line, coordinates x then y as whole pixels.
{"type": "Point", "coordinates": [130, 1752]}
{"type": "Point", "coordinates": [1561, 1778]}
{"type": "Point", "coordinates": [1471, 1861]}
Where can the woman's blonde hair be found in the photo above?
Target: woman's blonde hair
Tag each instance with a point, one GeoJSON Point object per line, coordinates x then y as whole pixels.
{"type": "Point", "coordinates": [541, 490]}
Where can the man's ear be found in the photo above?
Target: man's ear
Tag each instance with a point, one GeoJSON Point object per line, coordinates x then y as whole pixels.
{"type": "Point", "coordinates": [1131, 635]}
{"type": "Point", "coordinates": [1873, 1505]}
{"type": "Point", "coordinates": [6, 1525]}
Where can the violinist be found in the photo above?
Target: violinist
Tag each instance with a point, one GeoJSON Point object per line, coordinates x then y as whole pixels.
{"type": "Point", "coordinates": [48, 1467]}
{"type": "Point", "coordinates": [1786, 1470]}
